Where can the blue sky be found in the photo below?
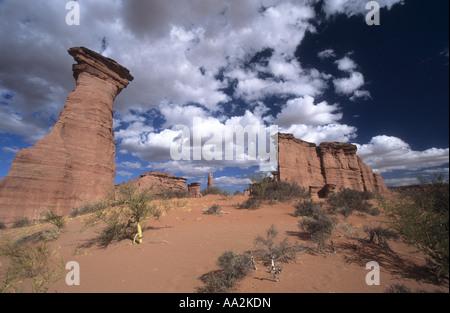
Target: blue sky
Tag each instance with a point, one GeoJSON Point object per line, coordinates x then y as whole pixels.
{"type": "Point", "coordinates": [313, 68]}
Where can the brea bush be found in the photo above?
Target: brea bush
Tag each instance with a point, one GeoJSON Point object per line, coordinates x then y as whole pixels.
{"type": "Point", "coordinates": [319, 225]}
{"type": "Point", "coordinates": [122, 216]}
{"type": "Point", "coordinates": [214, 209]}
{"type": "Point", "coordinates": [232, 268]}
{"type": "Point", "coordinates": [421, 217]}
{"type": "Point", "coordinates": [269, 249]}
{"type": "Point", "coordinates": [307, 208]}
{"type": "Point", "coordinates": [347, 201]}
{"type": "Point", "coordinates": [29, 262]}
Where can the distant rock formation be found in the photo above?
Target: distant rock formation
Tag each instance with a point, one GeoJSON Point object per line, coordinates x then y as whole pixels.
{"type": "Point", "coordinates": [210, 181]}
{"type": "Point", "coordinates": [158, 182]}
{"type": "Point", "coordinates": [74, 163]}
{"type": "Point", "coordinates": [194, 190]}
{"type": "Point", "coordinates": [325, 168]}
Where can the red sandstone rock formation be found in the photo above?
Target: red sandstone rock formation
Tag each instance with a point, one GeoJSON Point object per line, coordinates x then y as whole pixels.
{"type": "Point", "coordinates": [194, 190]}
{"type": "Point", "coordinates": [326, 168]}
{"type": "Point", "coordinates": [74, 163]}
{"type": "Point", "coordinates": [158, 182]}
{"type": "Point", "coordinates": [210, 181]}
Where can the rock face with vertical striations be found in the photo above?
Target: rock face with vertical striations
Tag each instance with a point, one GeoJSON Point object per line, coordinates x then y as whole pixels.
{"type": "Point", "coordinates": [74, 163]}
{"type": "Point", "coordinates": [210, 181]}
{"type": "Point", "coordinates": [194, 190]}
{"type": "Point", "coordinates": [326, 168]}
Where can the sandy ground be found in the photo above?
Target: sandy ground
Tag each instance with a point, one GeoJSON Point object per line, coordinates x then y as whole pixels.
{"type": "Point", "coordinates": [185, 243]}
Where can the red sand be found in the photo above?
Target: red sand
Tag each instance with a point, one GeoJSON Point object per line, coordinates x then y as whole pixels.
{"type": "Point", "coordinates": [185, 243]}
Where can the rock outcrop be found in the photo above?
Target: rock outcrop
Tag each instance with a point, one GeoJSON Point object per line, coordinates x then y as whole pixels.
{"type": "Point", "coordinates": [210, 181]}
{"type": "Point", "coordinates": [325, 168]}
{"type": "Point", "coordinates": [74, 163]}
{"type": "Point", "coordinates": [194, 190]}
{"type": "Point", "coordinates": [158, 182]}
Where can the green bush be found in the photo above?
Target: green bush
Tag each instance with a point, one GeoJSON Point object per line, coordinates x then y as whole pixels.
{"type": "Point", "coordinates": [347, 201]}
{"type": "Point", "coordinates": [29, 262]}
{"type": "Point", "coordinates": [252, 203]}
{"type": "Point", "coordinates": [23, 222]}
{"type": "Point", "coordinates": [88, 208]}
{"type": "Point", "coordinates": [269, 249]}
{"type": "Point", "coordinates": [264, 188]}
{"type": "Point", "coordinates": [123, 214]}
{"type": "Point", "coordinates": [319, 225]}
{"type": "Point", "coordinates": [380, 235]}
{"type": "Point", "coordinates": [232, 268]}
{"type": "Point", "coordinates": [307, 208]}
{"type": "Point", "coordinates": [215, 191]}
{"type": "Point", "coordinates": [171, 194]}
{"type": "Point", "coordinates": [51, 217]}
{"type": "Point", "coordinates": [214, 209]}
{"type": "Point", "coordinates": [422, 220]}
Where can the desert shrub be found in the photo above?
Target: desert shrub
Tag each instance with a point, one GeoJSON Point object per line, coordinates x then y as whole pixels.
{"type": "Point", "coordinates": [380, 235]}
{"type": "Point", "coordinates": [123, 214]}
{"type": "Point", "coordinates": [422, 220]}
{"type": "Point", "coordinates": [214, 209]}
{"type": "Point", "coordinates": [43, 235]}
{"type": "Point", "coordinates": [171, 194]}
{"type": "Point", "coordinates": [115, 230]}
{"type": "Point", "coordinates": [2, 225]}
{"type": "Point", "coordinates": [307, 208]}
{"type": "Point", "coordinates": [88, 208]}
{"type": "Point", "coordinates": [283, 192]}
{"type": "Point", "coordinates": [232, 268]}
{"type": "Point", "coordinates": [269, 249]}
{"type": "Point", "coordinates": [264, 188]}
{"type": "Point", "coordinates": [29, 262]}
{"type": "Point", "coordinates": [319, 225]}
{"type": "Point", "coordinates": [50, 216]}
{"type": "Point", "coordinates": [238, 193]}
{"type": "Point", "coordinates": [23, 222]}
{"type": "Point", "coordinates": [215, 191]}
{"type": "Point", "coordinates": [397, 288]}
{"type": "Point", "coordinates": [252, 203]}
{"type": "Point", "coordinates": [347, 201]}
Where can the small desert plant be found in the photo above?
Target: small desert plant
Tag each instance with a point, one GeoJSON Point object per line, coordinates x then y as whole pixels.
{"type": "Point", "coordinates": [171, 194]}
{"type": "Point", "coordinates": [397, 288]}
{"type": "Point", "coordinates": [51, 217]}
{"type": "Point", "coordinates": [29, 262]}
{"type": "Point", "coordinates": [319, 225]}
{"type": "Point", "coordinates": [214, 209]}
{"type": "Point", "coordinates": [232, 268]}
{"type": "Point", "coordinates": [380, 235]}
{"type": "Point", "coordinates": [348, 200]}
{"type": "Point", "coordinates": [88, 208]}
{"type": "Point", "coordinates": [238, 193]}
{"type": "Point", "coordinates": [215, 191]}
{"type": "Point", "coordinates": [123, 214]}
{"type": "Point", "coordinates": [2, 225]}
{"type": "Point", "coordinates": [23, 222]}
{"type": "Point", "coordinates": [269, 249]}
{"type": "Point", "coordinates": [307, 208]}
{"type": "Point", "coordinates": [252, 203]}
{"type": "Point", "coordinates": [422, 219]}
{"type": "Point", "coordinates": [264, 188]}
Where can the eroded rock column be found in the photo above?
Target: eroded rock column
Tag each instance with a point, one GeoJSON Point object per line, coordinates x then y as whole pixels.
{"type": "Point", "coordinates": [74, 163]}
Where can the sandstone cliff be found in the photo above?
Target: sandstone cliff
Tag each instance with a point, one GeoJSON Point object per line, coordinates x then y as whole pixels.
{"type": "Point", "coordinates": [74, 163]}
{"type": "Point", "coordinates": [325, 168]}
{"type": "Point", "coordinates": [158, 182]}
